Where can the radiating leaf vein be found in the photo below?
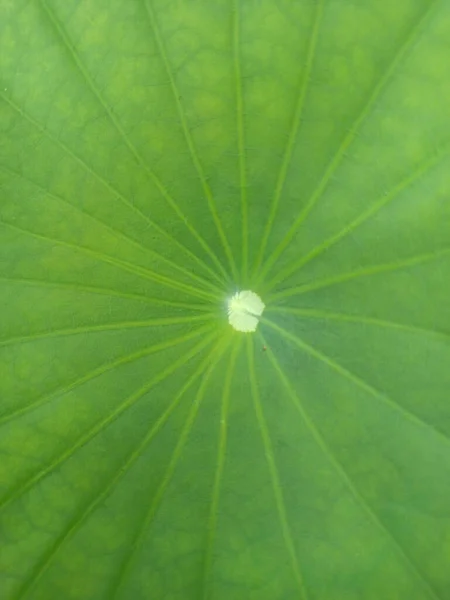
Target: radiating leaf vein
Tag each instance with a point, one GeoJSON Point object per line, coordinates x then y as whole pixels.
{"type": "Point", "coordinates": [305, 75]}
{"type": "Point", "coordinates": [335, 366]}
{"type": "Point", "coordinates": [109, 292]}
{"type": "Point", "coordinates": [339, 468]}
{"type": "Point", "coordinates": [412, 261]}
{"type": "Point", "coordinates": [375, 322]}
{"type": "Point", "coordinates": [221, 455]}
{"type": "Point", "coordinates": [121, 264]}
{"type": "Point", "coordinates": [120, 234]}
{"type": "Point", "coordinates": [370, 103]}
{"type": "Point", "coordinates": [274, 477]}
{"type": "Point", "coordinates": [117, 193]}
{"type": "Point", "coordinates": [75, 524]}
{"type": "Point", "coordinates": [127, 565]}
{"type": "Point", "coordinates": [189, 140]}
{"type": "Point", "coordinates": [376, 207]}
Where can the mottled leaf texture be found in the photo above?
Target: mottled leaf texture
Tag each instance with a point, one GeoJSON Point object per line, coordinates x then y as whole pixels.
{"type": "Point", "coordinates": [157, 158]}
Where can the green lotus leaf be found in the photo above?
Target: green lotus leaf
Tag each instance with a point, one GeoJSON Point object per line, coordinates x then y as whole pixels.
{"type": "Point", "coordinates": [224, 287]}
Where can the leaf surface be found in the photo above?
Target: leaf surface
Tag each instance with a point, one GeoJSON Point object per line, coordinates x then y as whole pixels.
{"type": "Point", "coordinates": [156, 157]}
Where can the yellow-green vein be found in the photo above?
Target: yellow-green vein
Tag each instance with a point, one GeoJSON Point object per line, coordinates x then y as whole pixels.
{"type": "Point", "coordinates": [119, 326]}
{"type": "Point", "coordinates": [189, 140]}
{"type": "Point", "coordinates": [377, 206]}
{"type": "Point", "coordinates": [156, 181]}
{"type": "Point", "coordinates": [127, 565]}
{"type": "Point", "coordinates": [357, 381]}
{"type": "Point", "coordinates": [120, 234]}
{"type": "Point", "coordinates": [23, 487]}
{"type": "Point", "coordinates": [349, 137]}
{"type": "Point", "coordinates": [221, 453]}
{"type": "Point", "coordinates": [109, 292]}
{"type": "Point", "coordinates": [121, 264]}
{"type": "Point", "coordinates": [236, 25]}
{"type": "Point", "coordinates": [104, 368]}
{"type": "Point", "coordinates": [338, 467]}
{"type": "Point", "coordinates": [273, 470]}
{"type": "Point", "coordinates": [362, 319]}
{"type": "Point", "coordinates": [293, 134]}
{"type": "Point", "coordinates": [115, 192]}
{"type": "Point", "coordinates": [365, 272]}
{"type": "Point", "coordinates": [75, 524]}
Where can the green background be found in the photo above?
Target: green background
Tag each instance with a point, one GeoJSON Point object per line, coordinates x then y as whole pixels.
{"type": "Point", "coordinates": [156, 156]}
